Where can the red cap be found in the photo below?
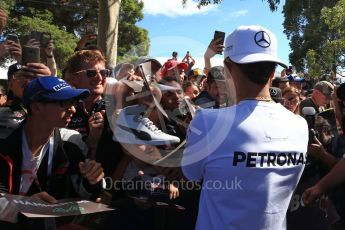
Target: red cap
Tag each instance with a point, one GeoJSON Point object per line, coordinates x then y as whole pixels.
{"type": "Point", "coordinates": [171, 64]}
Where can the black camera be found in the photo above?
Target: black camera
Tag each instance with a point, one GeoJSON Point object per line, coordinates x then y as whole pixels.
{"type": "Point", "coordinates": [341, 92]}
{"type": "Point", "coordinates": [341, 95]}
{"type": "Point", "coordinates": [309, 114]}
{"type": "Point", "coordinates": [312, 135]}
{"type": "Point", "coordinates": [154, 190]}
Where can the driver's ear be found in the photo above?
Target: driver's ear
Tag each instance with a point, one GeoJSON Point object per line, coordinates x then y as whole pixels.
{"type": "Point", "coordinates": [228, 64]}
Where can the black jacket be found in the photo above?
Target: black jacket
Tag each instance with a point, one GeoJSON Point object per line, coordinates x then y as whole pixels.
{"type": "Point", "coordinates": [10, 119]}
{"type": "Point", "coordinates": [65, 180]}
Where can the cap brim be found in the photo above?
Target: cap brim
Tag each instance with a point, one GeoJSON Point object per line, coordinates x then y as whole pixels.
{"type": "Point", "coordinates": [172, 67]}
{"type": "Point", "coordinates": [137, 86]}
{"type": "Point", "coordinates": [252, 58]}
{"type": "Point", "coordinates": [165, 88]}
{"type": "Point", "coordinates": [147, 59]}
{"type": "Point", "coordinates": [183, 65]}
{"type": "Point", "coordinates": [67, 94]}
{"type": "Point", "coordinates": [298, 80]}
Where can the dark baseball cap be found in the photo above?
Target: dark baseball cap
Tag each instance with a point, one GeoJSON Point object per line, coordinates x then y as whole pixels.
{"type": "Point", "coordinates": [12, 69]}
{"type": "Point", "coordinates": [216, 73]}
{"type": "Point", "coordinates": [276, 94]}
{"type": "Point", "coordinates": [295, 78]}
{"type": "Point", "coordinates": [144, 59]}
{"type": "Point", "coordinates": [281, 79]}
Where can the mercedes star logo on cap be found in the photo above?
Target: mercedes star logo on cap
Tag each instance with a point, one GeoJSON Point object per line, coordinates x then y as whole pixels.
{"type": "Point", "coordinates": [262, 39]}
{"type": "Point", "coordinates": [273, 92]}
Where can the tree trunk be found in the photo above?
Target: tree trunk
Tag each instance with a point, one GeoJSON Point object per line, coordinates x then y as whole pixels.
{"type": "Point", "coordinates": [108, 23]}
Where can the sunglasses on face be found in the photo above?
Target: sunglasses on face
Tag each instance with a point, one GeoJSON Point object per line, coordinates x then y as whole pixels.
{"type": "Point", "coordinates": [68, 104]}
{"type": "Point", "coordinates": [64, 104]}
{"type": "Point", "coordinates": [291, 100]}
{"type": "Point", "coordinates": [91, 73]}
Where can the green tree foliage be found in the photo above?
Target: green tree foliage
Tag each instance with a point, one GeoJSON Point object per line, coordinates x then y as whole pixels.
{"type": "Point", "coordinates": [130, 14]}
{"type": "Point", "coordinates": [309, 35]}
{"type": "Point", "coordinates": [314, 68]}
{"type": "Point", "coordinates": [334, 18]}
{"type": "Point", "coordinates": [5, 4]}
{"type": "Point", "coordinates": [273, 4]}
{"type": "Point", "coordinates": [64, 42]}
{"type": "Point", "coordinates": [65, 20]}
{"type": "Point", "coordinates": [70, 15]}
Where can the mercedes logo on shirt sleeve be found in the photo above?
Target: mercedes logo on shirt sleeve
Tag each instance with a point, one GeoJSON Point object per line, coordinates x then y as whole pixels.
{"type": "Point", "coordinates": [262, 39]}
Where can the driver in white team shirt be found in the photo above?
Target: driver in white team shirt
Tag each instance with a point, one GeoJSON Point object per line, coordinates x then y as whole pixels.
{"type": "Point", "coordinates": [250, 156]}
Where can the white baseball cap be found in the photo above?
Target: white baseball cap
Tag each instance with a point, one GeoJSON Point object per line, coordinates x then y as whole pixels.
{"type": "Point", "coordinates": [250, 44]}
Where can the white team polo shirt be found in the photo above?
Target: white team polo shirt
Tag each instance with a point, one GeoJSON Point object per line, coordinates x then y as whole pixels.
{"type": "Point", "coordinates": [250, 157]}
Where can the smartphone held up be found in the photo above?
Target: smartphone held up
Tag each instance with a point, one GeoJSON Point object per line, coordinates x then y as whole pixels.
{"type": "Point", "coordinates": [219, 36]}
{"type": "Point", "coordinates": [90, 28]}
{"type": "Point", "coordinates": [12, 37]}
{"type": "Point", "coordinates": [30, 55]}
{"type": "Point", "coordinates": [42, 37]}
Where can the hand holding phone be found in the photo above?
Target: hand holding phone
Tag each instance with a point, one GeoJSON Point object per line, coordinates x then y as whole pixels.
{"type": "Point", "coordinates": [41, 37]}
{"type": "Point", "coordinates": [219, 37]}
{"type": "Point", "coordinates": [12, 37]}
{"type": "Point", "coordinates": [45, 39]}
{"type": "Point", "coordinates": [30, 55]}
{"type": "Point", "coordinates": [89, 28]}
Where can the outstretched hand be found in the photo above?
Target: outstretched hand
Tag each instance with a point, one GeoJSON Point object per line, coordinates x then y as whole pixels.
{"type": "Point", "coordinates": [33, 70]}
{"type": "Point", "coordinates": [316, 149]}
{"type": "Point", "coordinates": [96, 124]}
{"type": "Point", "coordinates": [311, 195]}
{"type": "Point", "coordinates": [214, 48]}
{"type": "Point", "coordinates": [92, 171]}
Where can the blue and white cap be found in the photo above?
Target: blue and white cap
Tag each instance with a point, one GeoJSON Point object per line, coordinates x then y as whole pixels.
{"type": "Point", "coordinates": [51, 89]}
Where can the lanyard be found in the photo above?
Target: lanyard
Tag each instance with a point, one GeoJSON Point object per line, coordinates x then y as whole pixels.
{"type": "Point", "coordinates": [50, 156]}
{"type": "Point", "coordinates": [48, 147]}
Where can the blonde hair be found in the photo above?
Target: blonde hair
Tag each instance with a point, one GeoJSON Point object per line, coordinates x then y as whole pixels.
{"type": "Point", "coordinates": [79, 58]}
{"type": "Point", "coordinates": [294, 91]}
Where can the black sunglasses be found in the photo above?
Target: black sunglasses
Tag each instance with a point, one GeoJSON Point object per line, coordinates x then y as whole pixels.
{"type": "Point", "coordinates": [68, 104]}
{"type": "Point", "coordinates": [91, 73]}
{"type": "Point", "coordinates": [64, 104]}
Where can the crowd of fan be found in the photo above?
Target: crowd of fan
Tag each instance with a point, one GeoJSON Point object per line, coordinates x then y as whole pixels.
{"type": "Point", "coordinates": [134, 89]}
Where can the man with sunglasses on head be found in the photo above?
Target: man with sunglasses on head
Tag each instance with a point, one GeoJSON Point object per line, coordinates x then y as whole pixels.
{"type": "Point", "coordinates": [43, 159]}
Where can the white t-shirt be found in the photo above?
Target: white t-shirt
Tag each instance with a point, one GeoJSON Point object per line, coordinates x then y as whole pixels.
{"type": "Point", "coordinates": [30, 164]}
{"type": "Point", "coordinates": [250, 157]}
